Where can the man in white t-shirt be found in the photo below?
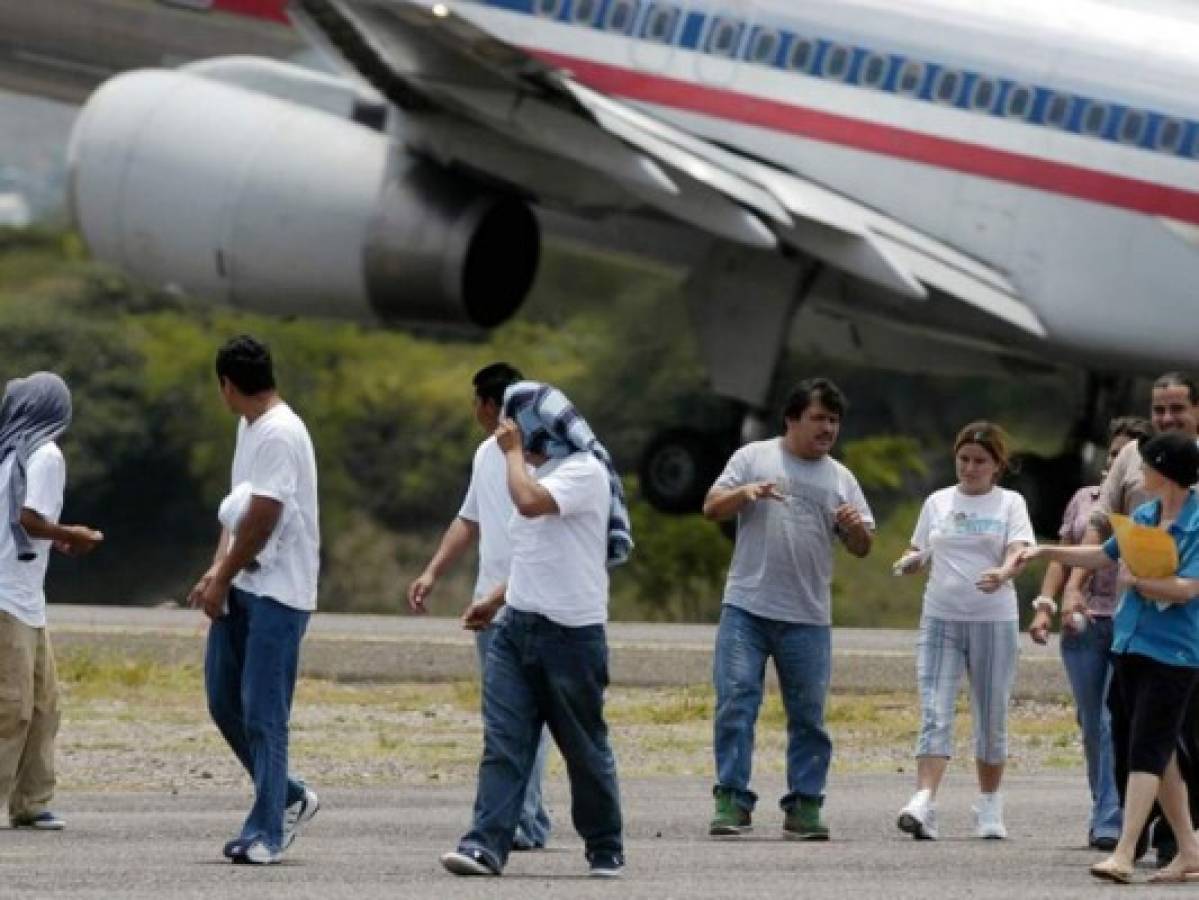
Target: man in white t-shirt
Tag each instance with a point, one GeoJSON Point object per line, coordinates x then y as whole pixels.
{"type": "Point", "coordinates": [792, 502]}
{"type": "Point", "coordinates": [548, 663]}
{"type": "Point", "coordinates": [484, 518]}
{"type": "Point", "coordinates": [36, 411]}
{"type": "Point", "coordinates": [259, 594]}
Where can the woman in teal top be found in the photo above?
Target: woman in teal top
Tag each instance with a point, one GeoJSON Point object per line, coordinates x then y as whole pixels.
{"type": "Point", "coordinates": [1155, 656]}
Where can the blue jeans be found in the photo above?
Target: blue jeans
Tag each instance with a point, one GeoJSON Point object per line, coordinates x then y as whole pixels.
{"type": "Point", "coordinates": [539, 674]}
{"type": "Point", "coordinates": [1088, 666]}
{"type": "Point", "coordinates": [533, 829]}
{"type": "Point", "coordinates": [250, 668]}
{"type": "Point", "coordinates": [802, 657]}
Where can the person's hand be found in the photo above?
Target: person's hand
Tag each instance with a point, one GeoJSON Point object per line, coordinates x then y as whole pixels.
{"type": "Point", "coordinates": [1025, 556]}
{"type": "Point", "coordinates": [992, 579]}
{"type": "Point", "coordinates": [848, 518]}
{"type": "Point", "coordinates": [79, 540]}
{"type": "Point", "coordinates": [1039, 629]}
{"type": "Point", "coordinates": [419, 591]}
{"type": "Point", "coordinates": [481, 612]}
{"type": "Point", "coordinates": [209, 594]}
{"type": "Point", "coordinates": [507, 435]}
{"type": "Point", "coordinates": [909, 564]}
{"type": "Point", "coordinates": [762, 490]}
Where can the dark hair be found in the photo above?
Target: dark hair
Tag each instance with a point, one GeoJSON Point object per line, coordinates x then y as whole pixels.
{"type": "Point", "coordinates": [246, 362]}
{"type": "Point", "coordinates": [1178, 379]}
{"type": "Point", "coordinates": [821, 390]}
{"type": "Point", "coordinates": [1172, 455]}
{"type": "Point", "coordinates": [991, 438]}
{"type": "Point", "coordinates": [491, 381]}
{"type": "Point", "coordinates": [1132, 427]}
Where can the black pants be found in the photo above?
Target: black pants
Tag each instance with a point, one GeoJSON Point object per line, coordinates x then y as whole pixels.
{"type": "Point", "coordinates": [1155, 713]}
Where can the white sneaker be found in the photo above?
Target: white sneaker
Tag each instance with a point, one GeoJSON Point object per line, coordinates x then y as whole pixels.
{"type": "Point", "coordinates": [988, 817]}
{"type": "Point", "coordinates": [258, 854]}
{"type": "Point", "coordinates": [298, 815]}
{"type": "Point", "coordinates": [919, 817]}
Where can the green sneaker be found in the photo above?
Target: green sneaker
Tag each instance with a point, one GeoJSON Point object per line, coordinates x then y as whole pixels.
{"type": "Point", "coordinates": [730, 819]}
{"type": "Point", "coordinates": [803, 822]}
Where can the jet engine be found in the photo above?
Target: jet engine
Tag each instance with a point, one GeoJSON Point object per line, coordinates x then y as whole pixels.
{"type": "Point", "coordinates": [279, 207]}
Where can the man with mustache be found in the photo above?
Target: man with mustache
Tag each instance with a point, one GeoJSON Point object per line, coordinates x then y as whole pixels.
{"type": "Point", "coordinates": [791, 499]}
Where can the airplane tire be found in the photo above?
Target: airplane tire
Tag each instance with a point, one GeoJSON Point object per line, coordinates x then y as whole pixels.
{"type": "Point", "coordinates": [677, 468]}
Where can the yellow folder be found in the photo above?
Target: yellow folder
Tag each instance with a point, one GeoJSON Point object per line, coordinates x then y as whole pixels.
{"type": "Point", "coordinates": [1148, 552]}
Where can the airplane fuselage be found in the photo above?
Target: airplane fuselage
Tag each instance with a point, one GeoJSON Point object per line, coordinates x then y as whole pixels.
{"type": "Point", "coordinates": [1057, 142]}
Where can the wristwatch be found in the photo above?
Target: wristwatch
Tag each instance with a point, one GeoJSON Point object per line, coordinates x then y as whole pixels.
{"type": "Point", "coordinates": [1044, 603]}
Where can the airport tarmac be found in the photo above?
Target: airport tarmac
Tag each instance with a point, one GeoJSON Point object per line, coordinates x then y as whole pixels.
{"type": "Point", "coordinates": [402, 648]}
{"type": "Point", "coordinates": [385, 843]}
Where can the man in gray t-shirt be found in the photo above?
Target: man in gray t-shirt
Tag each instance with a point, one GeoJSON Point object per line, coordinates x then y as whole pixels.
{"type": "Point", "coordinates": [790, 499]}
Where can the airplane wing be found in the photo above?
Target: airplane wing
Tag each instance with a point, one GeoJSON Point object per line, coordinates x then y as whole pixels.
{"type": "Point", "coordinates": [472, 101]}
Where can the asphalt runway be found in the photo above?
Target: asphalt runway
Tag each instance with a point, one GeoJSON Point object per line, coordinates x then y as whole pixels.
{"type": "Point", "coordinates": [385, 843]}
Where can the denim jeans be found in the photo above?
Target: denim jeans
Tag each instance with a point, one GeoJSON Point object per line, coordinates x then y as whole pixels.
{"type": "Point", "coordinates": [250, 668]}
{"type": "Point", "coordinates": [539, 674]}
{"type": "Point", "coordinates": [802, 658]}
{"type": "Point", "coordinates": [1088, 666]}
{"type": "Point", "coordinates": [533, 829]}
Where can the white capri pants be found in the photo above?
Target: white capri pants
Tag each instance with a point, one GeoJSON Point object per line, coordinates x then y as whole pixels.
{"type": "Point", "coordinates": [987, 652]}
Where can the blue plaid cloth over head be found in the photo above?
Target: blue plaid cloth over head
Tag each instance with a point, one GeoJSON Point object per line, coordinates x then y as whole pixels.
{"type": "Point", "coordinates": [550, 424]}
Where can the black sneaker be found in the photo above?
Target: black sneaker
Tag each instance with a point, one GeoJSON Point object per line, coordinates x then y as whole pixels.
{"type": "Point", "coordinates": [235, 848]}
{"type": "Point", "coordinates": [467, 862]}
{"type": "Point", "coordinates": [43, 821]}
{"type": "Point", "coordinates": [605, 865]}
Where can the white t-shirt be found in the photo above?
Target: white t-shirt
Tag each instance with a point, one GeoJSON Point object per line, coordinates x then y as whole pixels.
{"type": "Point", "coordinates": [968, 535]}
{"type": "Point", "coordinates": [275, 456]}
{"type": "Point", "coordinates": [559, 562]}
{"type": "Point", "coordinates": [22, 584]}
{"type": "Point", "coordinates": [489, 505]}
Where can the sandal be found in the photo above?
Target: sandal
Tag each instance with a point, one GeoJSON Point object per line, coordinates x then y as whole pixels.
{"type": "Point", "coordinates": [1110, 870]}
{"type": "Point", "coordinates": [1174, 876]}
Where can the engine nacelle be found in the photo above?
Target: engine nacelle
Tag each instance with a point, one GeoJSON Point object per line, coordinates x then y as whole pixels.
{"type": "Point", "coordinates": [278, 207]}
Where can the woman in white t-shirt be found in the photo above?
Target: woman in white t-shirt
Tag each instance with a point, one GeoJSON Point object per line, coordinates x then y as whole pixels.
{"type": "Point", "coordinates": [969, 536]}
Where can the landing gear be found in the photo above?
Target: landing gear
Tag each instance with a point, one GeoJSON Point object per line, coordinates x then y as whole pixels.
{"type": "Point", "coordinates": [742, 303]}
{"type": "Point", "coordinates": [1048, 483]}
{"type": "Point", "coordinates": [679, 466]}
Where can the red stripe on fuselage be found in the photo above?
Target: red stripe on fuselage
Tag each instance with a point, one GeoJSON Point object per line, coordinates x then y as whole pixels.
{"type": "Point", "coordinates": [946, 153]}
{"type": "Point", "coordinates": [272, 10]}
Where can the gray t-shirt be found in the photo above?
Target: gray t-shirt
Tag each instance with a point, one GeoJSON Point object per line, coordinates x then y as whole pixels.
{"type": "Point", "coordinates": [782, 565]}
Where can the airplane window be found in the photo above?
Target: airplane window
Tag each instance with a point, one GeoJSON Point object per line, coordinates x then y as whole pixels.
{"type": "Point", "coordinates": [765, 44]}
{"type": "Point", "coordinates": [836, 62]}
{"type": "Point", "coordinates": [722, 39]}
{"type": "Point", "coordinates": [583, 11]}
{"type": "Point", "coordinates": [1019, 102]}
{"type": "Point", "coordinates": [1057, 113]}
{"type": "Point", "coordinates": [982, 98]}
{"type": "Point", "coordinates": [946, 88]}
{"type": "Point", "coordinates": [1132, 126]}
{"type": "Point", "coordinates": [620, 15]}
{"type": "Point", "coordinates": [874, 72]}
{"type": "Point", "coordinates": [1094, 120]}
{"type": "Point", "coordinates": [1169, 135]}
{"type": "Point", "coordinates": [802, 52]}
{"type": "Point", "coordinates": [549, 8]}
{"type": "Point", "coordinates": [661, 23]}
{"type": "Point", "coordinates": [911, 77]}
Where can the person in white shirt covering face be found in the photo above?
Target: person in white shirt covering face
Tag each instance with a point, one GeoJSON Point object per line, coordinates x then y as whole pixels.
{"type": "Point", "coordinates": [548, 661]}
{"type": "Point", "coordinates": [484, 519]}
{"type": "Point", "coordinates": [36, 411]}
{"type": "Point", "coordinates": [970, 535]}
{"type": "Point", "coordinates": [259, 593]}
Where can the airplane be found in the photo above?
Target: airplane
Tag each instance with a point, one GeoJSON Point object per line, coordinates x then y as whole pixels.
{"type": "Point", "coordinates": [946, 186]}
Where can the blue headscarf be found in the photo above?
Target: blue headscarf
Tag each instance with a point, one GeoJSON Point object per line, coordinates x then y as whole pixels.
{"type": "Point", "coordinates": [550, 425]}
{"type": "Point", "coordinates": [35, 411]}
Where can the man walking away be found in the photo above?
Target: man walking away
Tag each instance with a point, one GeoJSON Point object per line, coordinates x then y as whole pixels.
{"type": "Point", "coordinates": [259, 593]}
